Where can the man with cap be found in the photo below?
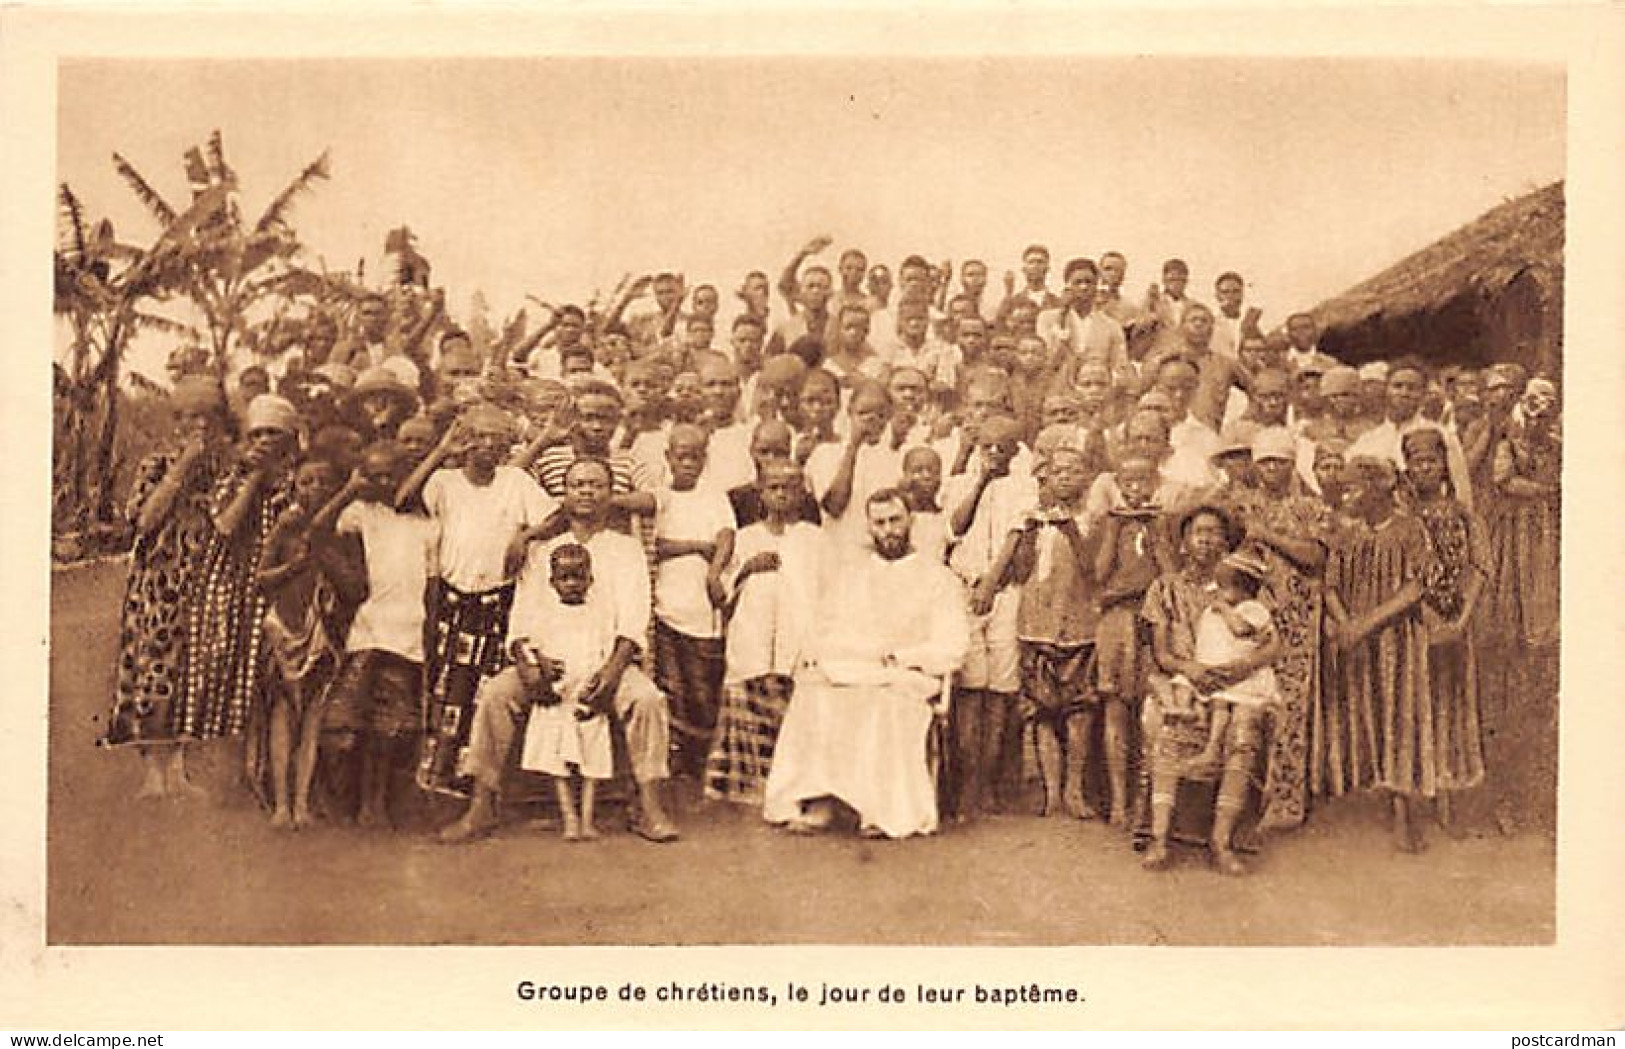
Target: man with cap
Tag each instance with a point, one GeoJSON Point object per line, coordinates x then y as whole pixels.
{"type": "Point", "coordinates": [1374, 390]}
{"type": "Point", "coordinates": [1345, 416]}
{"type": "Point", "coordinates": [1308, 404]}
{"type": "Point", "coordinates": [378, 404]}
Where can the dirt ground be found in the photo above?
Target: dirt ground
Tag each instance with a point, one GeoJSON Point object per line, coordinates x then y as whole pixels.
{"type": "Point", "coordinates": [212, 871]}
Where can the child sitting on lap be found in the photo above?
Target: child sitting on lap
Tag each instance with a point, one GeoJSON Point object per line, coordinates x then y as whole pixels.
{"type": "Point", "coordinates": [1235, 626]}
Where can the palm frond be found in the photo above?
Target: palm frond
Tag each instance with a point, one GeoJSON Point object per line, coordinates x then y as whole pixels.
{"type": "Point", "coordinates": [277, 212]}
{"type": "Point", "coordinates": [162, 325]}
{"type": "Point", "coordinates": [75, 214]}
{"type": "Point", "coordinates": [143, 189]}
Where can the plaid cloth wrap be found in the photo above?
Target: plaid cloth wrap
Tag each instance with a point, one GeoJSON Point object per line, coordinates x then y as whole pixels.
{"type": "Point", "coordinates": [465, 646]}
{"type": "Point", "coordinates": [747, 730]}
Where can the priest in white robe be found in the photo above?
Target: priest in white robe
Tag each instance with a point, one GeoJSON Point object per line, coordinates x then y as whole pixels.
{"type": "Point", "coordinates": [856, 728]}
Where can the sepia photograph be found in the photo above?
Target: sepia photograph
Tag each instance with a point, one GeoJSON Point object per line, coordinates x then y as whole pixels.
{"type": "Point", "coordinates": [458, 473]}
{"type": "Point", "coordinates": [814, 500]}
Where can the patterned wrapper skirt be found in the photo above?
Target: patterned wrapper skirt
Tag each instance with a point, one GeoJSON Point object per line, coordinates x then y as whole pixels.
{"type": "Point", "coordinates": [747, 730]}
{"type": "Point", "coordinates": [465, 646]}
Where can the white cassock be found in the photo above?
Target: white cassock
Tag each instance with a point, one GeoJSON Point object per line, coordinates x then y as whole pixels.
{"type": "Point", "coordinates": [856, 727]}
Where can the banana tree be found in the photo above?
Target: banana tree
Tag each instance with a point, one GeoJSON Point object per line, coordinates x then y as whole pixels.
{"type": "Point", "coordinates": [227, 266]}
{"type": "Point", "coordinates": [103, 290]}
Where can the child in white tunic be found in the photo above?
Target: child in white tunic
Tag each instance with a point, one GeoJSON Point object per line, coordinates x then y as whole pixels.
{"type": "Point", "coordinates": [1234, 626]}
{"type": "Point", "coordinates": [574, 638]}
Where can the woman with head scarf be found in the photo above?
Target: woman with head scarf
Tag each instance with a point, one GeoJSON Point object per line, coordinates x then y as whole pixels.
{"type": "Point", "coordinates": [225, 625]}
{"type": "Point", "coordinates": [169, 508]}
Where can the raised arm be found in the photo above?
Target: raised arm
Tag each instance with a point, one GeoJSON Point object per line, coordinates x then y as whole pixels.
{"type": "Point", "coordinates": [839, 494]}
{"type": "Point", "coordinates": [790, 280]}
{"type": "Point", "coordinates": [413, 485]}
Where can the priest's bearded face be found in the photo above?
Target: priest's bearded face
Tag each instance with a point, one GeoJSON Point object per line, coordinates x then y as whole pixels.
{"type": "Point", "coordinates": [888, 527]}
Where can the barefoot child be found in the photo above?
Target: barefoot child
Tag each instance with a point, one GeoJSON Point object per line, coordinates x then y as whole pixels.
{"type": "Point", "coordinates": [376, 703]}
{"type": "Point", "coordinates": [560, 650]}
{"type": "Point", "coordinates": [1055, 622]}
{"type": "Point", "coordinates": [694, 538]}
{"type": "Point", "coordinates": [1133, 551]}
{"type": "Point", "coordinates": [299, 636]}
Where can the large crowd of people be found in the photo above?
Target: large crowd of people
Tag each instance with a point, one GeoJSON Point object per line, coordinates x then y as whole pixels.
{"type": "Point", "coordinates": [857, 552]}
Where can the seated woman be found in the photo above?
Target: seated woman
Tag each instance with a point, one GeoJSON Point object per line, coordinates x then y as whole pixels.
{"type": "Point", "coordinates": [1213, 651]}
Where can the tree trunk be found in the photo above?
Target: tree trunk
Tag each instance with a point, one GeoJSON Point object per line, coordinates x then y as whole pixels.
{"type": "Point", "coordinates": [107, 437]}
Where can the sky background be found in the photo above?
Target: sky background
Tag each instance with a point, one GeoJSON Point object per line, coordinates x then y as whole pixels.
{"type": "Point", "coordinates": [555, 176]}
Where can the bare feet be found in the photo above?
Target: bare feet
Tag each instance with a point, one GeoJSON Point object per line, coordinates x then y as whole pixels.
{"type": "Point", "coordinates": [1077, 808]}
{"type": "Point", "coordinates": [473, 826]}
{"type": "Point", "coordinates": [572, 828]}
{"type": "Point", "coordinates": [152, 786]}
{"type": "Point", "coordinates": [1118, 818]}
{"type": "Point", "coordinates": [1227, 862]}
{"type": "Point", "coordinates": [182, 787]}
{"type": "Point", "coordinates": [652, 823]}
{"type": "Point", "coordinates": [282, 819]}
{"type": "Point", "coordinates": [1050, 806]}
{"type": "Point", "coordinates": [589, 832]}
{"type": "Point", "coordinates": [1156, 857]}
{"type": "Point", "coordinates": [301, 817]}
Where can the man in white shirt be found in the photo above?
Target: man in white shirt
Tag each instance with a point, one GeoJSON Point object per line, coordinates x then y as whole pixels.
{"type": "Point", "coordinates": [1232, 322]}
{"type": "Point", "coordinates": [620, 688]}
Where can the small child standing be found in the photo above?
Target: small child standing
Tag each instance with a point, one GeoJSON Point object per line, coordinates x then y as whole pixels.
{"type": "Point", "coordinates": [376, 704]}
{"type": "Point", "coordinates": [1133, 551]}
{"type": "Point", "coordinates": [694, 539]}
{"type": "Point", "coordinates": [299, 634]}
{"type": "Point", "coordinates": [564, 737]}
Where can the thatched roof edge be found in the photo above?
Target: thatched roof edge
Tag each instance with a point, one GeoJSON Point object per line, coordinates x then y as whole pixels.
{"type": "Point", "coordinates": [1481, 258]}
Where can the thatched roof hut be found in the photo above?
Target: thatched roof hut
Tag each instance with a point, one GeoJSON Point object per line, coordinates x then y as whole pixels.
{"type": "Point", "coordinates": [1490, 291]}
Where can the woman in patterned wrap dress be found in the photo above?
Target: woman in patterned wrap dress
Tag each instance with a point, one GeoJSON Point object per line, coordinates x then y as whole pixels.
{"type": "Point", "coordinates": [1379, 724]}
{"type": "Point", "coordinates": [1290, 530]}
{"type": "Point", "coordinates": [225, 628]}
{"type": "Point", "coordinates": [169, 509]}
{"type": "Point", "coordinates": [1461, 562]}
